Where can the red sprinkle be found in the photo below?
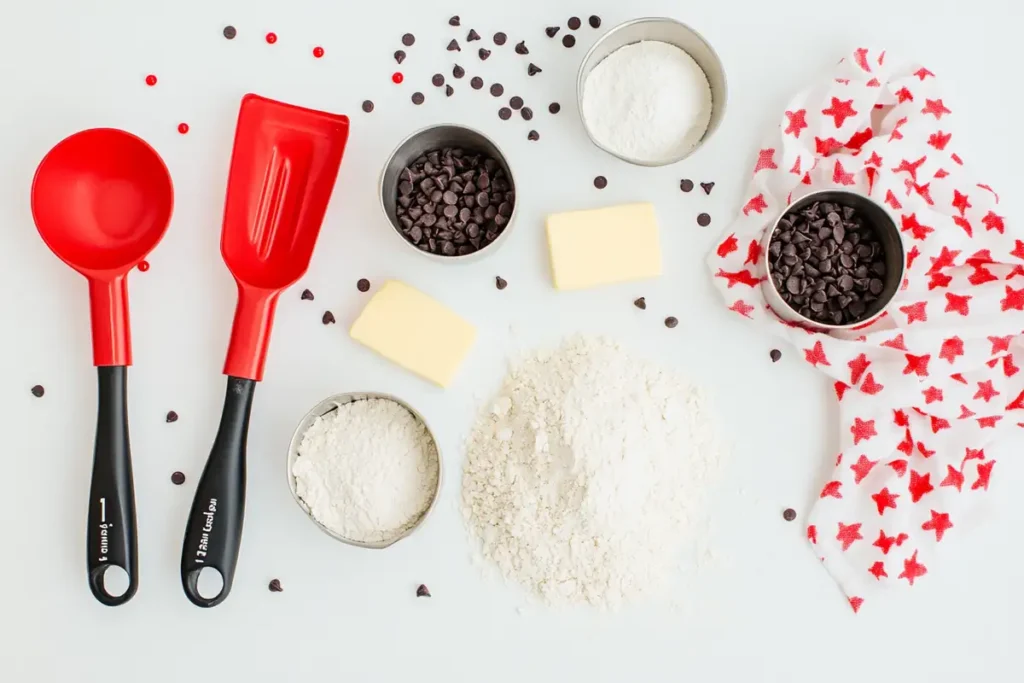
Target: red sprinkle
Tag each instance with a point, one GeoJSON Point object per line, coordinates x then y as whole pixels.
{"type": "Point", "coordinates": [271, 38]}
{"type": "Point", "coordinates": [397, 77]}
{"type": "Point", "coordinates": [150, 79]}
{"type": "Point", "coordinates": [182, 128]}
{"type": "Point", "coordinates": [143, 266]}
{"type": "Point", "coordinates": [318, 52]}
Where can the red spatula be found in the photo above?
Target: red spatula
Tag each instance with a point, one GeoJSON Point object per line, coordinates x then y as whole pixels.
{"type": "Point", "coordinates": [283, 168]}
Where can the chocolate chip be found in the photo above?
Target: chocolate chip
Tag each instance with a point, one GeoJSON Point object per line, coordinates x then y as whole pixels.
{"type": "Point", "coordinates": [453, 46]}
{"type": "Point", "coordinates": [500, 282]}
{"type": "Point", "coordinates": [526, 113]}
{"type": "Point", "coordinates": [568, 40]}
{"type": "Point", "coordinates": [275, 586]}
{"type": "Point", "coordinates": [38, 391]}
{"type": "Point", "coordinates": [600, 182]}
{"type": "Point", "coordinates": [472, 35]}
{"type": "Point", "coordinates": [306, 295]}
{"type": "Point", "coordinates": [363, 285]}
{"type": "Point", "coordinates": [641, 303]}
{"type": "Point", "coordinates": [504, 113]}
{"type": "Point", "coordinates": [552, 31]}
{"type": "Point", "coordinates": [574, 23]}
{"type": "Point", "coordinates": [458, 71]}
{"type": "Point", "coordinates": [595, 21]}
{"type": "Point", "coordinates": [789, 514]}
{"type": "Point", "coordinates": [417, 98]}
{"type": "Point", "coordinates": [775, 355]}
{"type": "Point", "coordinates": [703, 220]}
{"type": "Point", "coordinates": [707, 187]}
{"type": "Point", "coordinates": [686, 185]}
{"type": "Point", "coordinates": [171, 416]}
{"type": "Point", "coordinates": [230, 32]}
{"type": "Point", "coordinates": [484, 53]}
{"type": "Point", "coordinates": [516, 102]}
{"type": "Point", "coordinates": [437, 80]}
{"type": "Point", "coordinates": [328, 318]}
{"type": "Point", "coordinates": [554, 108]}
{"type": "Point", "coordinates": [367, 106]}
{"type": "Point", "coordinates": [497, 89]}
{"type": "Point", "coordinates": [455, 21]}
{"type": "Point", "coordinates": [521, 48]}
{"type": "Point", "coordinates": [500, 38]}
{"type": "Point", "coordinates": [533, 69]}
{"type": "Point", "coordinates": [178, 478]}
{"type": "Point", "coordinates": [399, 56]}
{"type": "Point", "coordinates": [422, 591]}
{"type": "Point", "coordinates": [671, 322]}
{"type": "Point", "coordinates": [533, 136]}
{"type": "Point", "coordinates": [408, 39]}
{"type": "Point", "coordinates": [476, 82]}
{"type": "Point", "coordinates": [449, 91]}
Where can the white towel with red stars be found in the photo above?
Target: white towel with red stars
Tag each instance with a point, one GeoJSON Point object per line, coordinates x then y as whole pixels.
{"type": "Point", "coordinates": [926, 392]}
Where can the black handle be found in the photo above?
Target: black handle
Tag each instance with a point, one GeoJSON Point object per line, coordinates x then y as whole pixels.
{"type": "Point", "coordinates": [111, 537]}
{"type": "Point", "coordinates": [214, 531]}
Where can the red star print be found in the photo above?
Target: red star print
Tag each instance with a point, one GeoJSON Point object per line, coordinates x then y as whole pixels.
{"type": "Point", "coordinates": [912, 256]}
{"type": "Point", "coordinates": [883, 499]}
{"type": "Point", "coordinates": [907, 445]}
{"type": "Point", "coordinates": [840, 176]}
{"type": "Point", "coordinates": [919, 485]}
{"type": "Point", "coordinates": [756, 204]}
{"type": "Point", "coordinates": [986, 187]}
{"type": "Point", "coordinates": [922, 191]}
{"type": "Point", "coordinates": [825, 147]}
{"type": "Point", "coordinates": [939, 140]}
{"type": "Point", "coordinates": [1018, 249]}
{"type": "Point", "coordinates": [986, 391]}
{"type": "Point", "coordinates": [743, 308]}
{"type": "Point", "coordinates": [941, 173]}
{"type": "Point", "coordinates": [904, 95]}
{"type": "Point", "coordinates": [980, 257]}
{"type": "Point", "coordinates": [857, 367]}
{"type": "Point", "coordinates": [796, 122]}
{"type": "Point", "coordinates": [848, 535]}
{"type": "Point", "coordinates": [806, 180]}
{"type": "Point", "coordinates": [936, 280]}
{"type": "Point", "coordinates": [956, 157]}
{"type": "Point", "coordinates": [1009, 369]}
{"type": "Point", "coordinates": [874, 160]}
{"type": "Point", "coordinates": [899, 466]}
{"type": "Point", "coordinates": [862, 468]}
{"type": "Point", "coordinates": [896, 134]}
{"type": "Point", "coordinates": [881, 57]}
{"type": "Point", "coordinates": [953, 478]}
{"type": "Point", "coordinates": [923, 450]}
{"type": "Point", "coordinates": [728, 245]}
{"type": "Point", "coordinates": [938, 424]}
{"type": "Point", "coordinates": [900, 418]}
{"type": "Point", "coordinates": [816, 356]}
{"type": "Point", "coordinates": [896, 343]}
{"type": "Point", "coordinates": [989, 422]}
{"type": "Point", "coordinates": [957, 303]}
{"type": "Point", "coordinates": [923, 73]}
{"type": "Point", "coordinates": [840, 389]}
{"type": "Point", "coordinates": [878, 570]}
{"type": "Point", "coordinates": [1017, 403]}
{"type": "Point", "coordinates": [960, 202]}
{"type": "Point", "coordinates": [965, 224]}
{"type": "Point", "coordinates": [993, 221]}
{"type": "Point", "coordinates": [965, 412]}
{"type": "Point", "coordinates": [1018, 270]}
{"type": "Point", "coordinates": [912, 569]}
{"type": "Point", "coordinates": [753, 253]}
{"type": "Point", "coordinates": [1000, 344]}
{"type": "Point", "coordinates": [915, 312]}
{"type": "Point", "coordinates": [945, 259]}
{"type": "Point", "coordinates": [958, 378]}
{"type": "Point", "coordinates": [840, 111]}
{"type": "Point", "coordinates": [887, 542]}
{"type": "Point", "coordinates": [932, 394]}
{"type": "Point", "coordinates": [974, 454]}
{"type": "Point", "coordinates": [860, 55]}
{"type": "Point", "coordinates": [951, 348]}
{"type": "Point", "coordinates": [862, 430]}
{"type": "Point", "coordinates": [909, 167]}
{"type": "Point", "coordinates": [910, 223]}
{"type": "Point", "coordinates": [981, 275]}
{"type": "Point", "coordinates": [855, 603]}
{"type": "Point", "coordinates": [795, 170]}
{"type": "Point", "coordinates": [764, 160]}
{"type": "Point", "coordinates": [891, 200]}
{"type": "Point", "coordinates": [831, 490]}
{"type": "Point", "coordinates": [936, 108]}
{"type": "Point", "coordinates": [939, 523]}
{"type": "Point", "coordinates": [742, 277]}
{"type": "Point", "coordinates": [858, 140]}
{"type": "Point", "coordinates": [812, 534]}
{"type": "Point", "coordinates": [984, 473]}
{"type": "Point", "coordinates": [870, 386]}
{"type": "Point", "coordinates": [917, 364]}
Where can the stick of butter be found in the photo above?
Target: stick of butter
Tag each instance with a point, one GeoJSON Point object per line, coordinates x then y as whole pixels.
{"type": "Point", "coordinates": [604, 246]}
{"type": "Point", "coordinates": [409, 328]}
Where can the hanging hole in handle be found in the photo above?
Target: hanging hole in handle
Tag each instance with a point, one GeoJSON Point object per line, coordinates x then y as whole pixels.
{"type": "Point", "coordinates": [210, 583]}
{"type": "Point", "coordinates": [111, 584]}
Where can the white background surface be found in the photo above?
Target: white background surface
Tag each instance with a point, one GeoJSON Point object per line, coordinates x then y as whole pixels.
{"type": "Point", "coordinates": [766, 611]}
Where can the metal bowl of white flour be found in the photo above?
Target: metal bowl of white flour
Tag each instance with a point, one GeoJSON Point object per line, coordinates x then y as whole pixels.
{"type": "Point", "coordinates": [365, 468]}
{"type": "Point", "coordinates": [651, 91]}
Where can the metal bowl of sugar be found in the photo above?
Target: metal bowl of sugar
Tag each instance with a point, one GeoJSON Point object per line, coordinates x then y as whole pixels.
{"type": "Point", "coordinates": [673, 136]}
{"type": "Point", "coordinates": [432, 477]}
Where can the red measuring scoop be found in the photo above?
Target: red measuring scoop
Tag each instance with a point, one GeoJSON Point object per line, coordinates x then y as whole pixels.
{"type": "Point", "coordinates": [283, 168]}
{"type": "Point", "coordinates": [101, 200]}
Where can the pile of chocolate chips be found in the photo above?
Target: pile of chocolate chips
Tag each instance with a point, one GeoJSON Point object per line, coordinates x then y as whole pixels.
{"type": "Point", "coordinates": [827, 263]}
{"type": "Point", "coordinates": [453, 201]}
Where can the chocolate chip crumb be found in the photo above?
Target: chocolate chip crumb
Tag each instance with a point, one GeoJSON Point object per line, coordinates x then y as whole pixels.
{"type": "Point", "coordinates": [775, 355]}
{"type": "Point", "coordinates": [448, 90]}
{"type": "Point", "coordinates": [526, 113]}
{"type": "Point", "coordinates": [516, 102]}
{"type": "Point", "coordinates": [363, 285]}
{"type": "Point", "coordinates": [476, 82]}
{"type": "Point", "coordinates": [707, 187]}
{"type": "Point", "coordinates": [399, 56]}
{"type": "Point", "coordinates": [595, 21]}
{"type": "Point", "coordinates": [275, 586]}
{"type": "Point", "coordinates": [504, 113]}
{"type": "Point", "coordinates": [554, 107]}
{"type": "Point", "coordinates": [453, 46]}
{"type": "Point", "coordinates": [408, 39]}
{"type": "Point", "coordinates": [417, 98]}
{"type": "Point", "coordinates": [367, 107]}
{"type": "Point", "coordinates": [472, 35]}
{"type": "Point", "coordinates": [500, 38]}
{"type": "Point", "coordinates": [484, 53]}
{"type": "Point", "coordinates": [328, 318]}
{"type": "Point", "coordinates": [455, 21]}
{"type": "Point", "coordinates": [703, 220]}
{"type": "Point", "coordinates": [230, 32]}
{"type": "Point", "coordinates": [171, 416]}
{"type": "Point", "coordinates": [500, 282]}
{"type": "Point", "coordinates": [552, 31]}
{"type": "Point", "coordinates": [521, 48]}
{"type": "Point", "coordinates": [422, 591]}
{"type": "Point", "coordinates": [533, 136]}
{"type": "Point", "coordinates": [437, 80]}
{"type": "Point", "coordinates": [574, 23]}
{"type": "Point", "coordinates": [569, 40]}
{"type": "Point", "coordinates": [38, 391]}
{"type": "Point", "coordinates": [178, 478]}
{"type": "Point", "coordinates": [458, 71]}
{"type": "Point", "coordinates": [686, 185]}
{"type": "Point", "coordinates": [533, 69]}
{"type": "Point", "coordinates": [497, 90]}
{"type": "Point", "coordinates": [671, 321]}
{"type": "Point", "coordinates": [641, 303]}
{"type": "Point", "coordinates": [789, 514]}
{"type": "Point", "coordinates": [306, 295]}
{"type": "Point", "coordinates": [600, 182]}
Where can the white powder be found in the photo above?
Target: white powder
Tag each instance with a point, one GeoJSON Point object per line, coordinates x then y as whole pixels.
{"type": "Point", "coordinates": [647, 101]}
{"type": "Point", "coordinates": [368, 470]}
{"type": "Point", "coordinates": [583, 476]}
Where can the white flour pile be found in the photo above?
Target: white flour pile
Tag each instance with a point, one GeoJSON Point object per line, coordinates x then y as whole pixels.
{"type": "Point", "coordinates": [582, 476]}
{"type": "Point", "coordinates": [368, 470]}
{"type": "Point", "coordinates": [647, 101]}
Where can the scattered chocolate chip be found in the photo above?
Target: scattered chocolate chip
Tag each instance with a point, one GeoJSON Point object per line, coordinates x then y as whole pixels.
{"type": "Point", "coordinates": [178, 478]}
{"type": "Point", "coordinates": [789, 514]}
{"type": "Point", "coordinates": [417, 98]}
{"type": "Point", "coordinates": [600, 182]}
{"type": "Point", "coordinates": [595, 21]}
{"type": "Point", "coordinates": [775, 355]}
{"type": "Point", "coordinates": [554, 107]}
{"type": "Point", "coordinates": [500, 38]}
{"type": "Point", "coordinates": [533, 136]}
{"type": "Point", "coordinates": [707, 187]}
{"type": "Point", "coordinates": [399, 56]}
{"type": "Point", "coordinates": [552, 31]}
{"type": "Point", "coordinates": [497, 89]}
{"type": "Point", "coordinates": [367, 106]}
{"type": "Point", "coordinates": [533, 69]}
{"type": "Point", "coordinates": [422, 591]}
{"type": "Point", "coordinates": [521, 48]}
{"type": "Point", "coordinates": [363, 285]}
{"type": "Point", "coordinates": [172, 416]}
{"type": "Point", "coordinates": [703, 220]}
{"type": "Point", "coordinates": [472, 35]}
{"type": "Point", "coordinates": [484, 53]}
{"type": "Point", "coordinates": [408, 39]}
{"type": "Point", "coordinates": [500, 282]}
{"type": "Point", "coordinates": [275, 586]}
{"type": "Point", "coordinates": [476, 82]}
{"type": "Point", "coordinates": [453, 46]}
{"type": "Point", "coordinates": [230, 32]}
{"type": "Point", "coordinates": [574, 23]}
{"type": "Point", "coordinates": [526, 113]}
{"type": "Point", "coordinates": [455, 21]}
{"type": "Point", "coordinates": [569, 40]}
{"type": "Point", "coordinates": [686, 185]}
{"type": "Point", "coordinates": [504, 113]}
{"type": "Point", "coordinates": [328, 318]}
{"type": "Point", "coordinates": [449, 91]}
{"type": "Point", "coordinates": [671, 322]}
{"type": "Point", "coordinates": [38, 391]}
{"type": "Point", "coordinates": [516, 102]}
{"type": "Point", "coordinates": [458, 71]}
{"type": "Point", "coordinates": [641, 303]}
{"type": "Point", "coordinates": [437, 80]}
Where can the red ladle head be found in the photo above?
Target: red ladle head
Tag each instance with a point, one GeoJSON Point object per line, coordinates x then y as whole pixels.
{"type": "Point", "coordinates": [101, 200]}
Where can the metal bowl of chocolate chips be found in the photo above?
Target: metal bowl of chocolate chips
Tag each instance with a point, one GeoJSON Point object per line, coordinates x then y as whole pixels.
{"type": "Point", "coordinates": [448, 192]}
{"type": "Point", "coordinates": [834, 260]}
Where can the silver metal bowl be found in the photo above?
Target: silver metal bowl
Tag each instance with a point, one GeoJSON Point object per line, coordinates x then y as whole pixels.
{"type": "Point", "coordinates": [328, 405]}
{"type": "Point", "coordinates": [428, 139]}
{"type": "Point", "coordinates": [665, 30]}
{"type": "Point", "coordinates": [892, 244]}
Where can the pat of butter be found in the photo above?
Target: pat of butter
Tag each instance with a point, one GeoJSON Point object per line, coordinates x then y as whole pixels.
{"type": "Point", "coordinates": [409, 328]}
{"type": "Point", "coordinates": [604, 246]}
